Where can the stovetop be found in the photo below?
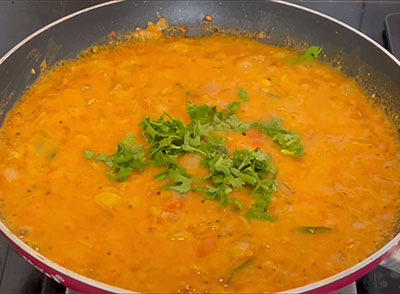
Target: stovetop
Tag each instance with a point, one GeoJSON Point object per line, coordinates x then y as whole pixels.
{"type": "Point", "coordinates": [378, 19]}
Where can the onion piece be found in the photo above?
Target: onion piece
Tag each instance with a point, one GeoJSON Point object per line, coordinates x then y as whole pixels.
{"type": "Point", "coordinates": [107, 199]}
{"type": "Point", "coordinates": [11, 174]}
{"type": "Point", "coordinates": [190, 162]}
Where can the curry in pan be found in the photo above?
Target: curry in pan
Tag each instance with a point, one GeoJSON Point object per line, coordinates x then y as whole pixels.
{"type": "Point", "coordinates": [207, 164]}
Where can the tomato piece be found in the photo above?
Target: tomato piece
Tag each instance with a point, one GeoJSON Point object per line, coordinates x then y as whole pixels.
{"type": "Point", "coordinates": [206, 246]}
{"type": "Point", "coordinates": [256, 139]}
{"type": "Point", "coordinates": [173, 204]}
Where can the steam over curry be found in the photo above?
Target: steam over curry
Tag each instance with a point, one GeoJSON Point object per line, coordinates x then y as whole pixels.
{"type": "Point", "coordinates": [209, 164]}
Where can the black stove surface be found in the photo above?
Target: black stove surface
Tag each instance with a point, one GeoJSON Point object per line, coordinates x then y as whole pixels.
{"type": "Point", "coordinates": [378, 19]}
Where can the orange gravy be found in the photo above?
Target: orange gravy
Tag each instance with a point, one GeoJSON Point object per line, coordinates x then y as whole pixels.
{"type": "Point", "coordinates": [129, 235]}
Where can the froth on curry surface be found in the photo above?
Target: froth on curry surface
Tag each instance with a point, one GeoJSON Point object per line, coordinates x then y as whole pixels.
{"type": "Point", "coordinates": [133, 234]}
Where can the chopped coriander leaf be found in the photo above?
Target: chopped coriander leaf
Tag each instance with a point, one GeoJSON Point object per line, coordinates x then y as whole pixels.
{"type": "Point", "coordinates": [259, 215]}
{"type": "Point", "coordinates": [193, 136]}
{"type": "Point", "coordinates": [160, 159]}
{"type": "Point", "coordinates": [313, 230]}
{"type": "Point", "coordinates": [127, 155]}
{"type": "Point", "coordinates": [245, 167]}
{"type": "Point", "coordinates": [203, 114]}
{"type": "Point", "coordinates": [215, 144]}
{"type": "Point", "coordinates": [266, 187]}
{"type": "Point", "coordinates": [235, 182]}
{"type": "Point", "coordinates": [289, 141]}
{"type": "Point", "coordinates": [237, 205]}
{"type": "Point", "coordinates": [120, 175]}
{"type": "Point", "coordinates": [257, 169]}
{"type": "Point", "coordinates": [165, 135]}
{"type": "Point", "coordinates": [233, 123]}
{"type": "Point", "coordinates": [101, 157]}
{"type": "Point", "coordinates": [219, 192]}
{"type": "Point", "coordinates": [227, 112]}
{"type": "Point", "coordinates": [88, 154]}
{"type": "Point", "coordinates": [214, 148]}
{"type": "Point", "coordinates": [169, 138]}
{"type": "Point", "coordinates": [211, 119]}
{"type": "Point", "coordinates": [242, 95]}
{"type": "Point", "coordinates": [227, 119]}
{"type": "Point", "coordinates": [249, 179]}
{"type": "Point", "coordinates": [311, 53]}
{"type": "Point", "coordinates": [124, 161]}
{"type": "Point", "coordinates": [224, 165]}
{"type": "Point", "coordinates": [254, 164]}
{"type": "Point", "coordinates": [211, 192]}
{"type": "Point", "coordinates": [181, 180]}
{"type": "Point", "coordinates": [225, 199]}
{"type": "Point", "coordinates": [258, 209]}
{"type": "Point", "coordinates": [162, 175]}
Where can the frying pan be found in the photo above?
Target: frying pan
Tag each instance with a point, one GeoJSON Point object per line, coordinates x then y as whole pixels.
{"type": "Point", "coordinates": [285, 23]}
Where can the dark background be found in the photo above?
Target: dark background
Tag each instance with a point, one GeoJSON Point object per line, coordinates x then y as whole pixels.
{"type": "Point", "coordinates": [19, 18]}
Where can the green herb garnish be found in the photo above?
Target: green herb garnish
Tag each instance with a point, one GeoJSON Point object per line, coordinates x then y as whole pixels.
{"type": "Point", "coordinates": [247, 167]}
{"type": "Point", "coordinates": [169, 138]}
{"type": "Point", "coordinates": [228, 120]}
{"type": "Point", "coordinates": [181, 180]}
{"type": "Point", "coordinates": [164, 135]}
{"type": "Point", "coordinates": [88, 154]}
{"type": "Point", "coordinates": [242, 95]}
{"type": "Point", "coordinates": [311, 53]}
{"type": "Point", "coordinates": [211, 119]}
{"type": "Point", "coordinates": [313, 230]}
{"type": "Point", "coordinates": [237, 205]}
{"type": "Point", "coordinates": [124, 161]}
{"type": "Point", "coordinates": [289, 141]}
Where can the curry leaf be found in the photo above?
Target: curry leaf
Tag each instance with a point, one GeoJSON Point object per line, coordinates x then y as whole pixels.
{"type": "Point", "coordinates": [247, 262]}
